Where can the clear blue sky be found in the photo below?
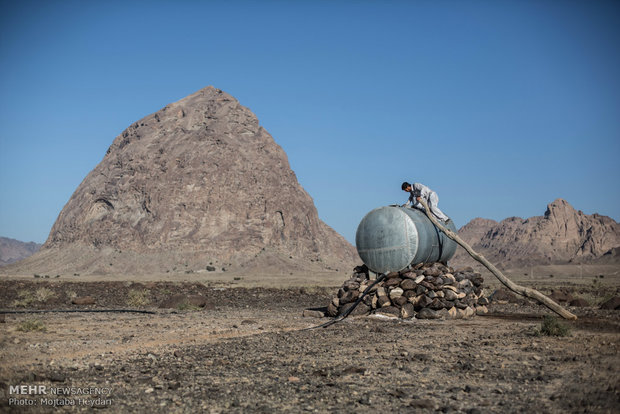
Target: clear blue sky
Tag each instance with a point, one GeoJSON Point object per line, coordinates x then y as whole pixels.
{"type": "Point", "coordinates": [499, 106]}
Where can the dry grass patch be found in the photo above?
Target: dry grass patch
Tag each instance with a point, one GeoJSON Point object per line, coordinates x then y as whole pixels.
{"type": "Point", "coordinates": [26, 297]}
{"type": "Point", "coordinates": [185, 306]}
{"type": "Point", "coordinates": [32, 325]}
{"type": "Point", "coordinates": [138, 298]}
{"type": "Point", "coordinates": [42, 294]}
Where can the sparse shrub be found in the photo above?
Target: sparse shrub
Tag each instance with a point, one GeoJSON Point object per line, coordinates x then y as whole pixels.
{"type": "Point", "coordinates": [184, 306]}
{"type": "Point", "coordinates": [31, 325]}
{"type": "Point", "coordinates": [602, 299]}
{"type": "Point", "coordinates": [42, 294]}
{"type": "Point", "coordinates": [596, 298]}
{"type": "Point", "coordinates": [550, 326]}
{"type": "Point", "coordinates": [138, 298]}
{"type": "Point", "coordinates": [24, 298]}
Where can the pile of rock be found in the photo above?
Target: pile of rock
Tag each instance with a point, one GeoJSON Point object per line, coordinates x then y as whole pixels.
{"type": "Point", "coordinates": [426, 291]}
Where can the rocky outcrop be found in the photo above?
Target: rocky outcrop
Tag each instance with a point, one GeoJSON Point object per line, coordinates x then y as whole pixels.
{"type": "Point", "coordinates": [476, 229]}
{"type": "Point", "coordinates": [562, 235]}
{"type": "Point", "coordinates": [197, 183]}
{"type": "Point", "coordinates": [12, 250]}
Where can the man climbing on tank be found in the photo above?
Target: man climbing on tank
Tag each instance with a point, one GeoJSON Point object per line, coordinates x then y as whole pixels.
{"type": "Point", "coordinates": [417, 191]}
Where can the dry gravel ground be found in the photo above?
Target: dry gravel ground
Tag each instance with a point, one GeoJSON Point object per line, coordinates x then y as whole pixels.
{"type": "Point", "coordinates": [245, 351]}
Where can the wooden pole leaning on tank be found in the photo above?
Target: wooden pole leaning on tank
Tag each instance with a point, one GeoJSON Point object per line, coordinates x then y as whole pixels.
{"type": "Point", "coordinates": [521, 290]}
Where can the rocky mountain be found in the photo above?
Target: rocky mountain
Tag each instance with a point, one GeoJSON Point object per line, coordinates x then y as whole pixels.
{"type": "Point", "coordinates": [12, 250]}
{"type": "Point", "coordinates": [561, 235]}
{"type": "Point", "coordinates": [198, 183]}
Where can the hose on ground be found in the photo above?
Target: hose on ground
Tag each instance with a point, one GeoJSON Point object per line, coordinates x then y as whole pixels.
{"type": "Point", "coordinates": [77, 311]}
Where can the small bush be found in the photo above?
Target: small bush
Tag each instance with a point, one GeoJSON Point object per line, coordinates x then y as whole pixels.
{"type": "Point", "coordinates": [550, 326]}
{"type": "Point", "coordinates": [43, 294]}
{"type": "Point", "coordinates": [24, 298]}
{"type": "Point", "coordinates": [31, 325]}
{"type": "Point", "coordinates": [184, 306]}
{"type": "Point", "coordinates": [138, 298]}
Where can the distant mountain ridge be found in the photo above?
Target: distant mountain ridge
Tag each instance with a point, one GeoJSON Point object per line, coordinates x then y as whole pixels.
{"type": "Point", "coordinates": [12, 250]}
{"type": "Point", "coordinates": [562, 235]}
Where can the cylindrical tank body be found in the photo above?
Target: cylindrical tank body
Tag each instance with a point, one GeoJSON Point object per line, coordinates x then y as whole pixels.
{"type": "Point", "coordinates": [389, 239]}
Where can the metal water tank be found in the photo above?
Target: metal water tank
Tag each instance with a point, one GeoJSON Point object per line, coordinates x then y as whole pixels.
{"type": "Point", "coordinates": [390, 238]}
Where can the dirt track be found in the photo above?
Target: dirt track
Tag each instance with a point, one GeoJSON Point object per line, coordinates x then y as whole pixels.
{"type": "Point", "coordinates": [245, 352]}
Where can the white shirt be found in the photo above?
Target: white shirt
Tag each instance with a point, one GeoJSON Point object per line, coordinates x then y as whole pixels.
{"type": "Point", "coordinates": [418, 190]}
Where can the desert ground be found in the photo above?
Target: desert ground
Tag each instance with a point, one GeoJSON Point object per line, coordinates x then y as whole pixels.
{"type": "Point", "coordinates": [242, 346]}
